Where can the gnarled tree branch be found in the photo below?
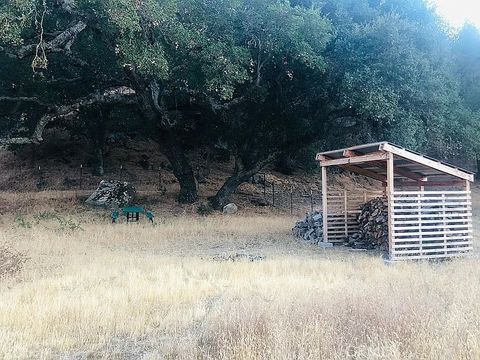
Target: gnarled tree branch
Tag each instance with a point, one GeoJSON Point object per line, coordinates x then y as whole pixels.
{"type": "Point", "coordinates": [33, 99]}
{"type": "Point", "coordinates": [118, 95]}
{"type": "Point", "coordinates": [61, 42]}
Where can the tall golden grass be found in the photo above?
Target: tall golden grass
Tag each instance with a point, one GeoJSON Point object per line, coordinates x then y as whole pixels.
{"type": "Point", "coordinates": [142, 291]}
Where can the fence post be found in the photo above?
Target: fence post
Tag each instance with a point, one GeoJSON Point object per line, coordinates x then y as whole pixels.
{"type": "Point", "coordinates": [40, 182]}
{"type": "Point", "coordinates": [81, 176]}
{"type": "Point", "coordinates": [273, 194]}
{"type": "Point", "coordinates": [291, 201]}
{"type": "Point", "coordinates": [311, 200]}
{"type": "Point", "coordinates": [264, 186]}
{"type": "Point", "coordinates": [159, 178]}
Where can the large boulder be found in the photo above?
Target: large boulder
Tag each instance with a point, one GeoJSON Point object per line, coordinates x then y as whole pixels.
{"type": "Point", "coordinates": [112, 194]}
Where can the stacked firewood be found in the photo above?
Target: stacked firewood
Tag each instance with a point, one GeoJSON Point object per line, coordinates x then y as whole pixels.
{"type": "Point", "coordinates": [311, 228]}
{"type": "Point", "coordinates": [373, 222]}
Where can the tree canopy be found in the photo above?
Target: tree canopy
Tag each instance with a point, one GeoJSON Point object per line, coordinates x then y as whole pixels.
{"type": "Point", "coordinates": [264, 78]}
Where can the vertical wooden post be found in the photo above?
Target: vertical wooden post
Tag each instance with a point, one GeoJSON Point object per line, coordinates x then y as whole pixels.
{"type": "Point", "coordinates": [390, 191]}
{"type": "Point", "coordinates": [273, 194]}
{"type": "Point", "coordinates": [291, 201]}
{"type": "Point", "coordinates": [444, 225]}
{"type": "Point", "coordinates": [469, 237]}
{"type": "Point", "coordinates": [345, 210]}
{"type": "Point", "coordinates": [324, 204]}
{"type": "Point", "coordinates": [311, 200]}
{"type": "Point", "coordinates": [81, 176]}
{"type": "Point", "coordinates": [422, 197]}
{"type": "Point", "coordinates": [264, 186]}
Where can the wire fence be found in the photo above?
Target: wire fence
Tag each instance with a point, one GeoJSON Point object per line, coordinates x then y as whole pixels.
{"type": "Point", "coordinates": [261, 190]}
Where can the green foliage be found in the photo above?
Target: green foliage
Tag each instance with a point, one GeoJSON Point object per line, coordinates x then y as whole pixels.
{"type": "Point", "coordinates": [15, 16]}
{"type": "Point", "coordinates": [65, 223]}
{"type": "Point", "coordinates": [262, 77]}
{"type": "Point", "coordinates": [391, 65]}
{"type": "Point", "coordinates": [21, 222]}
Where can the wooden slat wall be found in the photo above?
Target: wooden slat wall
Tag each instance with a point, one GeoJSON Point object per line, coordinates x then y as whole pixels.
{"type": "Point", "coordinates": [431, 224]}
{"type": "Point", "coordinates": [343, 209]}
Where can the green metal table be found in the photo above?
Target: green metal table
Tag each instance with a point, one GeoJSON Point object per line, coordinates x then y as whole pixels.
{"type": "Point", "coordinates": [132, 214]}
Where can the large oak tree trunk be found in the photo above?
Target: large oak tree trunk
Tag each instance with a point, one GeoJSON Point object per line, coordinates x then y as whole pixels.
{"type": "Point", "coordinates": [240, 175]}
{"type": "Point", "coordinates": [98, 163]}
{"type": "Point", "coordinates": [170, 136]}
{"type": "Point", "coordinates": [222, 197]}
{"type": "Point", "coordinates": [96, 130]}
{"type": "Point", "coordinates": [175, 153]}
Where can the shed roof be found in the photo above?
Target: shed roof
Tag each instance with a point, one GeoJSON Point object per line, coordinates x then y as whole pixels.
{"type": "Point", "coordinates": [409, 166]}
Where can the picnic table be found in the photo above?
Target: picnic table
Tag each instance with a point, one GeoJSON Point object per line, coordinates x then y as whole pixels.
{"type": "Point", "coordinates": [132, 213]}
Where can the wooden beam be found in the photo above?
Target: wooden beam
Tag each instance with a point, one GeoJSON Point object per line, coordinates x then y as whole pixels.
{"type": "Point", "coordinates": [390, 191]}
{"type": "Point", "coordinates": [321, 157]}
{"type": "Point", "coordinates": [379, 155]}
{"type": "Point", "coordinates": [367, 173]}
{"type": "Point", "coordinates": [402, 172]}
{"type": "Point", "coordinates": [372, 145]}
{"type": "Point", "coordinates": [350, 153]}
{"type": "Point", "coordinates": [325, 203]}
{"type": "Point", "coordinates": [427, 162]}
{"type": "Point", "coordinates": [409, 174]}
{"type": "Point", "coordinates": [355, 169]}
{"type": "Point", "coordinates": [430, 183]}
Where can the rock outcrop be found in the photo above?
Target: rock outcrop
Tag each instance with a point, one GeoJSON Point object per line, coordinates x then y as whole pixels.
{"type": "Point", "coordinates": [112, 194]}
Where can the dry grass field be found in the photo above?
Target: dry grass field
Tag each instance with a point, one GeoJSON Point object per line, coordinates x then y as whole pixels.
{"type": "Point", "coordinates": [239, 287]}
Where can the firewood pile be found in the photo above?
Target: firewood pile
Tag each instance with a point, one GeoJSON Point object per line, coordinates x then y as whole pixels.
{"type": "Point", "coordinates": [373, 227]}
{"type": "Point", "coordinates": [311, 228]}
{"type": "Point", "coordinates": [373, 230]}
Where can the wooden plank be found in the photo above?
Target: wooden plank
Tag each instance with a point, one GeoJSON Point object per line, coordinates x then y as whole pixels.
{"type": "Point", "coordinates": [345, 203]}
{"type": "Point", "coordinates": [435, 248]}
{"type": "Point", "coordinates": [390, 197]}
{"type": "Point", "coordinates": [397, 193]}
{"type": "Point", "coordinates": [325, 204]}
{"type": "Point", "coordinates": [440, 220]}
{"type": "Point", "coordinates": [428, 183]}
{"type": "Point", "coordinates": [432, 198]}
{"type": "Point", "coordinates": [400, 236]}
{"type": "Point", "coordinates": [429, 227]}
{"type": "Point", "coordinates": [440, 243]}
{"type": "Point", "coordinates": [437, 245]}
{"type": "Point", "coordinates": [424, 210]}
{"type": "Point", "coordinates": [379, 155]}
{"type": "Point", "coordinates": [427, 162]}
{"type": "Point", "coordinates": [425, 257]}
{"type": "Point", "coordinates": [363, 172]}
{"type": "Point", "coordinates": [377, 144]}
{"type": "Point", "coordinates": [432, 216]}
{"type": "Point", "coordinates": [431, 204]}
{"type": "Point", "coordinates": [453, 238]}
{"type": "Point", "coordinates": [429, 252]}
{"type": "Point", "coordinates": [352, 168]}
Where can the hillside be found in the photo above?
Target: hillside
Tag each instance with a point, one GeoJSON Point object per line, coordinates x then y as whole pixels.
{"type": "Point", "coordinates": [52, 174]}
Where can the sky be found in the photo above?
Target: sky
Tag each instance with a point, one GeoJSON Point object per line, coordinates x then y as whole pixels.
{"type": "Point", "coordinates": [457, 12]}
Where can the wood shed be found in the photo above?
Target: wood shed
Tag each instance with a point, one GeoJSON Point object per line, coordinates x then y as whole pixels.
{"type": "Point", "coordinates": [429, 201]}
